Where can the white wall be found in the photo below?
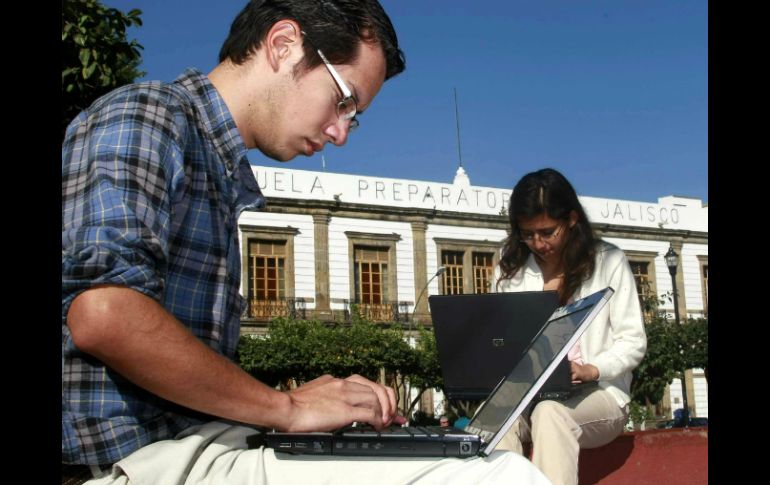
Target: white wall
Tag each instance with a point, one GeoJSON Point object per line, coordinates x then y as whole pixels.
{"type": "Point", "coordinates": [699, 400]}
{"type": "Point", "coordinates": [700, 388]}
{"type": "Point", "coordinates": [693, 284]}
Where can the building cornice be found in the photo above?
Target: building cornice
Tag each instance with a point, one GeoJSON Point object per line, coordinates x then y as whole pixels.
{"type": "Point", "coordinates": [280, 205]}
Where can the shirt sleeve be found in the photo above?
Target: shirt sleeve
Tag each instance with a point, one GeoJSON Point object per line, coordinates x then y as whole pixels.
{"type": "Point", "coordinates": [117, 161]}
{"type": "Point", "coordinates": [629, 341]}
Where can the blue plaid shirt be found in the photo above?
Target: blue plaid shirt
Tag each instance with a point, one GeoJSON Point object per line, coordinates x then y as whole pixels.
{"type": "Point", "coordinates": [154, 177]}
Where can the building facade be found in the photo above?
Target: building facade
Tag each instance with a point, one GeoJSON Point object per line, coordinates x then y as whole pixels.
{"type": "Point", "coordinates": [327, 241]}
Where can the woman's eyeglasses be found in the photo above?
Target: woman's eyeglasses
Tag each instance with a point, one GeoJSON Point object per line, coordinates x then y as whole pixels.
{"type": "Point", "coordinates": [545, 235]}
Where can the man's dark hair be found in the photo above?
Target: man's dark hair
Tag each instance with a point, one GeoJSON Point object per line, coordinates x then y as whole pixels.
{"type": "Point", "coordinates": [334, 26]}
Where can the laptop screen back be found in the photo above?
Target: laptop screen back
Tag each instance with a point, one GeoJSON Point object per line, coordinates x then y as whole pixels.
{"type": "Point", "coordinates": [494, 328]}
{"type": "Point", "coordinates": [514, 393]}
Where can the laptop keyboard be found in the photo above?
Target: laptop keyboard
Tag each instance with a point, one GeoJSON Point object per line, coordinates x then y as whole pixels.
{"type": "Point", "coordinates": [366, 430]}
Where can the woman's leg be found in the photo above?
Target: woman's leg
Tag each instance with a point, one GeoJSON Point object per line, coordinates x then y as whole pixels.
{"type": "Point", "coordinates": [560, 429]}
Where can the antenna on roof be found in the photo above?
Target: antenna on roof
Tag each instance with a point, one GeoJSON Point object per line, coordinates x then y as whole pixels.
{"type": "Point", "coordinates": [457, 119]}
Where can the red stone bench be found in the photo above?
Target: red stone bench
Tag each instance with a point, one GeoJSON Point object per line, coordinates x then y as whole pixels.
{"type": "Point", "coordinates": [678, 455]}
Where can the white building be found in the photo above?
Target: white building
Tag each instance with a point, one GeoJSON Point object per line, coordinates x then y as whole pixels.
{"type": "Point", "coordinates": [327, 240]}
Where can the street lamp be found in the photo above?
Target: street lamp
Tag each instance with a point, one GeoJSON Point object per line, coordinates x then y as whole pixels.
{"type": "Point", "coordinates": [439, 272]}
{"type": "Point", "coordinates": [672, 261]}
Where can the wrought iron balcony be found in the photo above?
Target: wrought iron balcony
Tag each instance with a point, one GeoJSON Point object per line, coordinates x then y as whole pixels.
{"type": "Point", "coordinates": [268, 309]}
{"type": "Point", "coordinates": [378, 312]}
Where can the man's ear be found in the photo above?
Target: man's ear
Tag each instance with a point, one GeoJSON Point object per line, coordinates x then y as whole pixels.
{"type": "Point", "coordinates": [283, 42]}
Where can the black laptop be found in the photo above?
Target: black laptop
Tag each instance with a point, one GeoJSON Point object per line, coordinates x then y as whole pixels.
{"type": "Point", "coordinates": [495, 327]}
{"type": "Point", "coordinates": [509, 398]}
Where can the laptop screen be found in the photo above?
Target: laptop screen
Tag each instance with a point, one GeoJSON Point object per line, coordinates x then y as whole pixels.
{"type": "Point", "coordinates": [514, 392]}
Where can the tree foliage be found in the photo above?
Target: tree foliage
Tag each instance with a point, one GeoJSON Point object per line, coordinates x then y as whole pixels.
{"type": "Point", "coordinates": [671, 349]}
{"type": "Point", "coordinates": [296, 351]}
{"type": "Point", "coordinates": [96, 56]}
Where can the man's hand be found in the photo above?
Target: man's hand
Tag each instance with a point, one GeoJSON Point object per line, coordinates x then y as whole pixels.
{"type": "Point", "coordinates": [328, 403]}
{"type": "Point", "coordinates": [584, 373]}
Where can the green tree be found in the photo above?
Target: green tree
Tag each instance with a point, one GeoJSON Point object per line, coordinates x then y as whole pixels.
{"type": "Point", "coordinates": [694, 344]}
{"type": "Point", "coordinates": [671, 348]}
{"type": "Point", "coordinates": [659, 365]}
{"type": "Point", "coordinates": [296, 351]}
{"type": "Point", "coordinates": [425, 371]}
{"type": "Point", "coordinates": [96, 56]}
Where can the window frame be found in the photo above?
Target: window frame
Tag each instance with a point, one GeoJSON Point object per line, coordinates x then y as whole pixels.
{"type": "Point", "coordinates": [704, 261]}
{"type": "Point", "coordinates": [284, 235]}
{"type": "Point", "coordinates": [374, 240]}
{"type": "Point", "coordinates": [646, 257]}
{"type": "Point", "coordinates": [467, 247]}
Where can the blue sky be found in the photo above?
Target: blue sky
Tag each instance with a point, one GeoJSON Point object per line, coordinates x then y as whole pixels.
{"type": "Point", "coordinates": [613, 93]}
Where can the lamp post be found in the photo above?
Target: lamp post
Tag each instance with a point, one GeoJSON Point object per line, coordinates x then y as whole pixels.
{"type": "Point", "coordinates": [439, 272]}
{"type": "Point", "coordinates": [672, 261]}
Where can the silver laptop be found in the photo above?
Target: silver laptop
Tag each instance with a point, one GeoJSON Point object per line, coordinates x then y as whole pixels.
{"type": "Point", "coordinates": [494, 418]}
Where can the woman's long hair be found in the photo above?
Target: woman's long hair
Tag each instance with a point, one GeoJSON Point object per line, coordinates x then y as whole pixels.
{"type": "Point", "coordinates": [547, 192]}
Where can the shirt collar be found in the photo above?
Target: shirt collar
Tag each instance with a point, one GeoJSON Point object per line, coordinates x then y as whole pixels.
{"type": "Point", "coordinates": [223, 133]}
{"type": "Point", "coordinates": [216, 117]}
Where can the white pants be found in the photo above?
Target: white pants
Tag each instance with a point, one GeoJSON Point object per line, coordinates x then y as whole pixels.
{"type": "Point", "coordinates": [216, 453]}
{"type": "Point", "coordinates": [558, 430]}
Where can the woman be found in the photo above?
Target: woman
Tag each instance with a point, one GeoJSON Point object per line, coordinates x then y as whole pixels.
{"type": "Point", "coordinates": [551, 247]}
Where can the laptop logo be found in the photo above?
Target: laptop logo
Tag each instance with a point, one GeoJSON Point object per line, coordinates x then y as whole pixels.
{"type": "Point", "coordinates": [498, 342]}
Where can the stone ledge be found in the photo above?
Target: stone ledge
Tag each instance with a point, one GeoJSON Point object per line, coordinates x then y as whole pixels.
{"type": "Point", "coordinates": [678, 455]}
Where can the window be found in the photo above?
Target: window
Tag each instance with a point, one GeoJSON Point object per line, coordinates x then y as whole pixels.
{"type": "Point", "coordinates": [470, 265]}
{"type": "Point", "coordinates": [706, 288]}
{"type": "Point", "coordinates": [643, 268]}
{"type": "Point", "coordinates": [704, 274]}
{"type": "Point", "coordinates": [371, 275]}
{"type": "Point", "coordinates": [267, 261]}
{"type": "Point", "coordinates": [483, 269]}
{"type": "Point", "coordinates": [268, 271]}
{"type": "Point", "coordinates": [642, 278]}
{"type": "Point", "coordinates": [453, 276]}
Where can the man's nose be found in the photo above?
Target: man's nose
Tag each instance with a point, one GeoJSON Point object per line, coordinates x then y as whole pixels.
{"type": "Point", "coordinates": [338, 131]}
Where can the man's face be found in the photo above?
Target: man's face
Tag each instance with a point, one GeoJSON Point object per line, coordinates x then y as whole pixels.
{"type": "Point", "coordinates": [304, 111]}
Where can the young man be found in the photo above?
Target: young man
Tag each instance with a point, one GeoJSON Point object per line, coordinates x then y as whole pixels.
{"type": "Point", "coordinates": [154, 177]}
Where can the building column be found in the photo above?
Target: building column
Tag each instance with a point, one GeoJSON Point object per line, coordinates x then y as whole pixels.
{"type": "Point", "coordinates": [689, 386]}
{"type": "Point", "coordinates": [321, 243]}
{"type": "Point", "coordinates": [420, 268]}
{"type": "Point", "coordinates": [426, 402]}
{"type": "Point", "coordinates": [666, 402]}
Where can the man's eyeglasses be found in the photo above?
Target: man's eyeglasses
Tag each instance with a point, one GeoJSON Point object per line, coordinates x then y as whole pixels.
{"type": "Point", "coordinates": [546, 235]}
{"type": "Point", "coordinates": [347, 108]}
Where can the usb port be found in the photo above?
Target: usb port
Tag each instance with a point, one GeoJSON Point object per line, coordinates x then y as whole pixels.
{"type": "Point", "coordinates": [284, 445]}
{"type": "Point", "coordinates": [300, 445]}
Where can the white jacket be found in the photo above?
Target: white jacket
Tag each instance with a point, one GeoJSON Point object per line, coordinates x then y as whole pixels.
{"type": "Point", "coordinates": [615, 341]}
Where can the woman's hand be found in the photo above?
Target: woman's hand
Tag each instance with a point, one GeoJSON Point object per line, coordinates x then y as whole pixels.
{"type": "Point", "coordinates": [584, 373]}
